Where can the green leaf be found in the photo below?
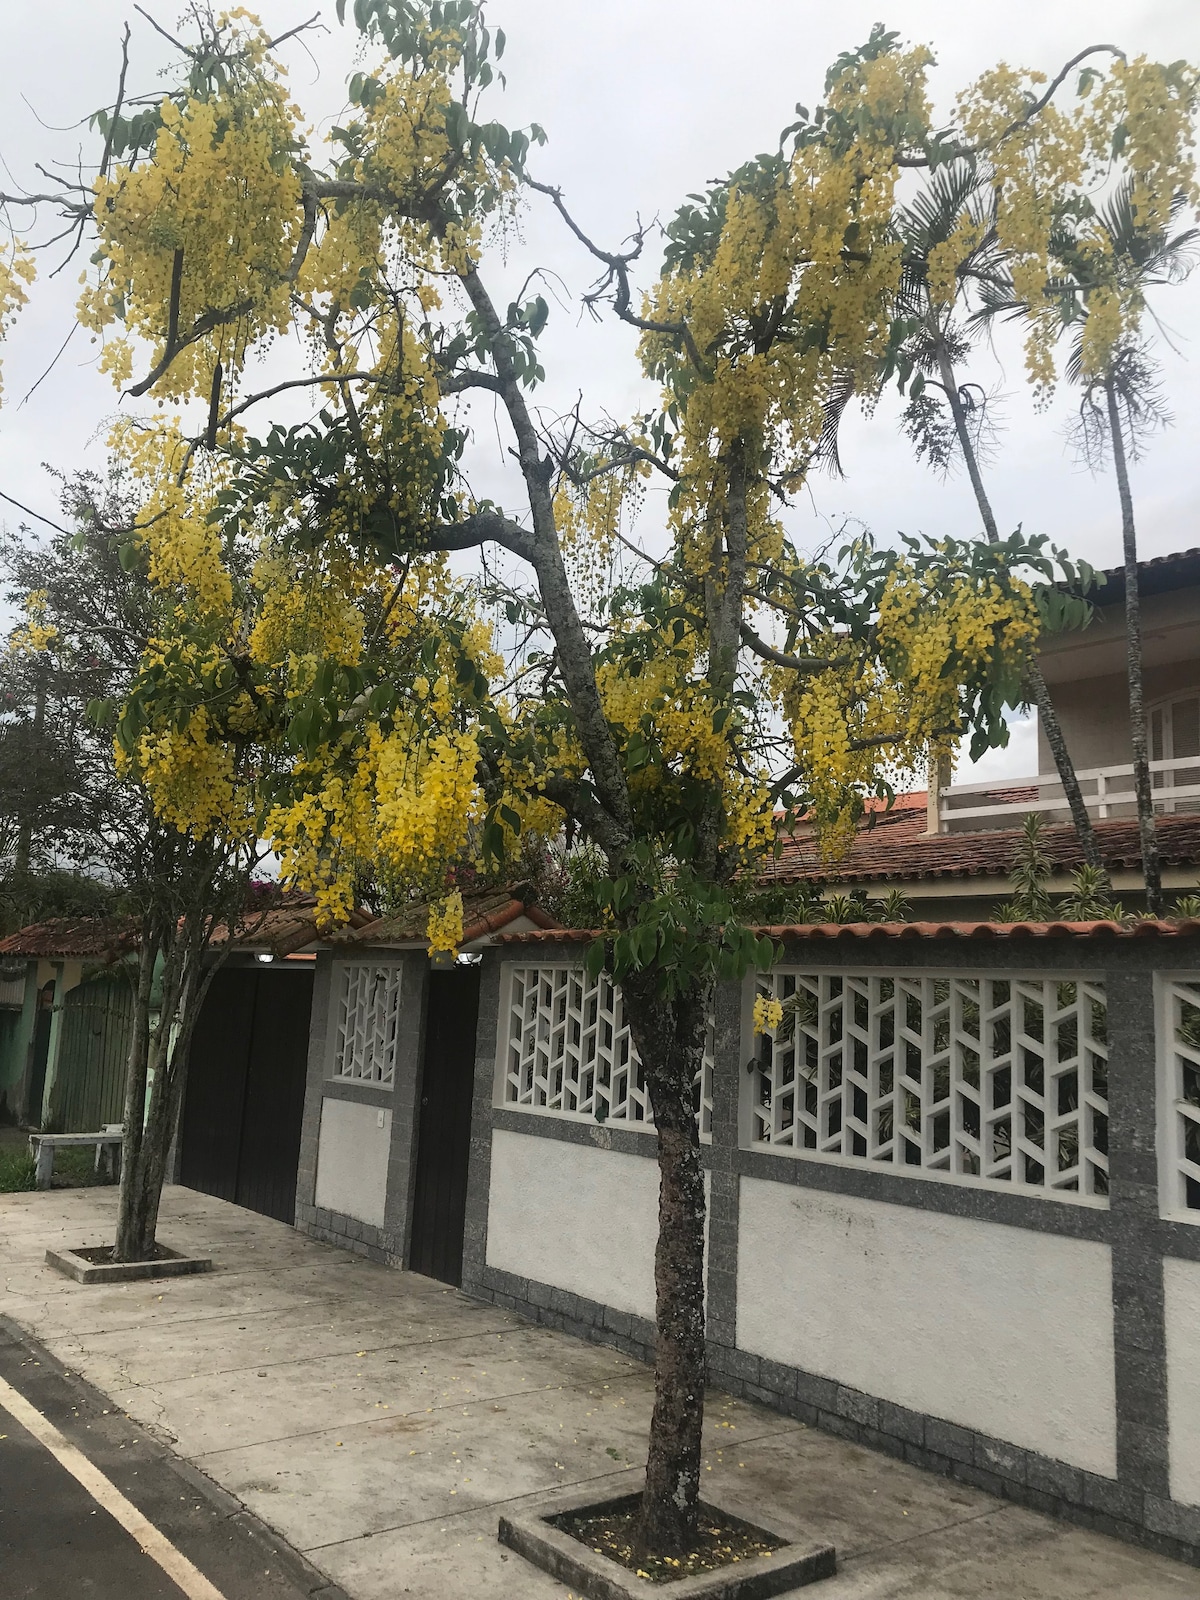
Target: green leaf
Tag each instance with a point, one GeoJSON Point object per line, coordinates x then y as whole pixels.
{"type": "Point", "coordinates": [593, 963]}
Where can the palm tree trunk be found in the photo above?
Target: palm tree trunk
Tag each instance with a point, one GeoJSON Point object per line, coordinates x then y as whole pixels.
{"type": "Point", "coordinates": [1151, 868]}
{"type": "Point", "coordinates": [1047, 715]}
{"type": "Point", "coordinates": [669, 1036]}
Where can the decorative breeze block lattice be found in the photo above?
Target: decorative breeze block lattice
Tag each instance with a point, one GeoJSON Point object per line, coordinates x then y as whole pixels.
{"type": "Point", "coordinates": [567, 1049]}
{"type": "Point", "coordinates": [997, 1080]}
{"type": "Point", "coordinates": [367, 1018]}
{"type": "Point", "coordinates": [1181, 1102]}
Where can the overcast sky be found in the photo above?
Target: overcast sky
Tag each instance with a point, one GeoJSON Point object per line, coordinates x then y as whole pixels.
{"type": "Point", "coordinates": [643, 101]}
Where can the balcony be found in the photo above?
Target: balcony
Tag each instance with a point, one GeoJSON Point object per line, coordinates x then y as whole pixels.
{"type": "Point", "coordinates": [1107, 792]}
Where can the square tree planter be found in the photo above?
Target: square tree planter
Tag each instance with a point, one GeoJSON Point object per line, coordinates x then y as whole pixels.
{"type": "Point", "coordinates": [533, 1535]}
{"type": "Point", "coordinates": [86, 1265]}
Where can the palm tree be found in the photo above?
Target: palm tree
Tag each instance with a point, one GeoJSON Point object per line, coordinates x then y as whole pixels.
{"type": "Point", "coordinates": [1107, 255]}
{"type": "Point", "coordinates": [936, 341]}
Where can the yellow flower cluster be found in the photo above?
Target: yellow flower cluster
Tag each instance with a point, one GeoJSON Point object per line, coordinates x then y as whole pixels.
{"type": "Point", "coordinates": [35, 633]}
{"type": "Point", "coordinates": [1137, 120]}
{"type": "Point", "coordinates": [768, 1013]}
{"type": "Point", "coordinates": [425, 799]}
{"type": "Point", "coordinates": [678, 710]}
{"type": "Point", "coordinates": [17, 270]}
{"type": "Point", "coordinates": [309, 609]}
{"type": "Point", "coordinates": [184, 546]}
{"type": "Point", "coordinates": [190, 776]}
{"type": "Point", "coordinates": [198, 240]}
{"type": "Point", "coordinates": [444, 927]}
{"type": "Point", "coordinates": [782, 259]}
{"type": "Point", "coordinates": [883, 714]}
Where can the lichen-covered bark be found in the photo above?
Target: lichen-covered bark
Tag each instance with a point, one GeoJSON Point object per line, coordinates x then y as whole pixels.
{"type": "Point", "coordinates": [670, 1036]}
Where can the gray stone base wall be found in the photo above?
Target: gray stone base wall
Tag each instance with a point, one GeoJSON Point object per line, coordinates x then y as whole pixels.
{"type": "Point", "coordinates": [331, 1227]}
{"type": "Point", "coordinates": [1005, 1470]}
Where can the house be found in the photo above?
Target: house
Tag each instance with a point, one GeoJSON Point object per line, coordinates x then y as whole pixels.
{"type": "Point", "coordinates": [954, 1215]}
{"type": "Point", "coordinates": [386, 1136]}
{"type": "Point", "coordinates": [65, 1016]}
{"type": "Point", "coordinates": [950, 849]}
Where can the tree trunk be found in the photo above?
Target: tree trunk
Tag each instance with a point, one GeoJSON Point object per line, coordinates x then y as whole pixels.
{"type": "Point", "coordinates": [24, 851]}
{"type": "Point", "coordinates": [1046, 712]}
{"type": "Point", "coordinates": [1151, 869]}
{"type": "Point", "coordinates": [131, 1221]}
{"type": "Point", "coordinates": [1055, 738]}
{"type": "Point", "coordinates": [669, 1036]}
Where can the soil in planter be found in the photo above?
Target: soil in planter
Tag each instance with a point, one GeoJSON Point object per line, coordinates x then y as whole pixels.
{"type": "Point", "coordinates": [101, 1255]}
{"type": "Point", "coordinates": [722, 1540]}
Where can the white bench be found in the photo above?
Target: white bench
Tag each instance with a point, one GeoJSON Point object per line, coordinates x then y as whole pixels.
{"type": "Point", "coordinates": [108, 1143]}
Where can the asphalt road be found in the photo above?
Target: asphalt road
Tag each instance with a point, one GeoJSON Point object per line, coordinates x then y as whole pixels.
{"type": "Point", "coordinates": [59, 1542]}
{"type": "Point", "coordinates": [55, 1539]}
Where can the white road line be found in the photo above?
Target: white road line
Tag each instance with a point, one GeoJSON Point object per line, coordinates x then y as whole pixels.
{"type": "Point", "coordinates": [156, 1545]}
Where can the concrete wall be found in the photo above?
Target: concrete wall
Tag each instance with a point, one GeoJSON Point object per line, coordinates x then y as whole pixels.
{"type": "Point", "coordinates": [1181, 1283]}
{"type": "Point", "coordinates": [352, 1160]}
{"type": "Point", "coordinates": [1039, 1347]}
{"type": "Point", "coordinates": [1094, 712]}
{"type": "Point", "coordinates": [1026, 1353]}
{"type": "Point", "coordinates": [600, 1244]}
{"type": "Point", "coordinates": [354, 1184]}
{"type": "Point", "coordinates": [1086, 674]}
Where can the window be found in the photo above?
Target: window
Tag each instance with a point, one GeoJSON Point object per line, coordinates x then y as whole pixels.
{"type": "Point", "coordinates": [366, 1015]}
{"type": "Point", "coordinates": [1175, 737]}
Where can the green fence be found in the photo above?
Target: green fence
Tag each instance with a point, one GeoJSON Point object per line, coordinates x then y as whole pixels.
{"type": "Point", "coordinates": [97, 1024]}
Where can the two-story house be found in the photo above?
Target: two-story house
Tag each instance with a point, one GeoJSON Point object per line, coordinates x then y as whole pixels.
{"type": "Point", "coordinates": [951, 849]}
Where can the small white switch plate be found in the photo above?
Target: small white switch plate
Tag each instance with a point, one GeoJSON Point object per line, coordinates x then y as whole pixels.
{"type": "Point", "coordinates": [379, 1117]}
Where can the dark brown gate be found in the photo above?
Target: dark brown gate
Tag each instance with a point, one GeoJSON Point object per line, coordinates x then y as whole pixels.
{"type": "Point", "coordinates": [444, 1131]}
{"type": "Point", "coordinates": [244, 1104]}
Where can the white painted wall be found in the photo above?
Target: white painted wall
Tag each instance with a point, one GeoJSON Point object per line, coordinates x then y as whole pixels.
{"type": "Point", "coordinates": [579, 1217]}
{"type": "Point", "coordinates": [352, 1160]}
{"type": "Point", "coordinates": [1000, 1329]}
{"type": "Point", "coordinates": [1181, 1281]}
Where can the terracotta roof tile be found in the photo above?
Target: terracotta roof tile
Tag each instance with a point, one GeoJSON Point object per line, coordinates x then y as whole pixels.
{"type": "Point", "coordinates": [895, 847]}
{"type": "Point", "coordinates": [74, 938]}
{"type": "Point", "coordinates": [1183, 928]}
{"type": "Point", "coordinates": [484, 911]}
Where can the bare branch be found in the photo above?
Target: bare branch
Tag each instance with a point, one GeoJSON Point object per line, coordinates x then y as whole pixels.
{"type": "Point", "coordinates": [169, 37]}
{"type": "Point", "coordinates": [313, 21]}
{"type": "Point", "coordinates": [202, 325]}
{"type": "Point", "coordinates": [618, 276]}
{"type": "Point", "coordinates": [29, 512]}
{"type": "Point", "coordinates": [116, 111]}
{"type": "Point", "coordinates": [456, 382]}
{"type": "Point", "coordinates": [483, 527]}
{"type": "Point", "coordinates": [768, 652]}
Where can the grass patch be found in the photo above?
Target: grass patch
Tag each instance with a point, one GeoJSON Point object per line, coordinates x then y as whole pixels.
{"type": "Point", "coordinates": [16, 1171]}
{"type": "Point", "coordinates": [74, 1168]}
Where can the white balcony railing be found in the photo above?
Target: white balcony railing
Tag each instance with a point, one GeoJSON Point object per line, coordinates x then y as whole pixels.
{"type": "Point", "coordinates": [1107, 792]}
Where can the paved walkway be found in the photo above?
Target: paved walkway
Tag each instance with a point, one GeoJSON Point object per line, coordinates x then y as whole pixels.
{"type": "Point", "coordinates": [380, 1422]}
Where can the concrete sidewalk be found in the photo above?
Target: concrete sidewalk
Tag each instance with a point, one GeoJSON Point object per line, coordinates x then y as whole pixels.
{"type": "Point", "coordinates": [380, 1423]}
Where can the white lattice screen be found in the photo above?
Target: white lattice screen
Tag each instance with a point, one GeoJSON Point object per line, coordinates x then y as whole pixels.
{"type": "Point", "coordinates": [1181, 1102]}
{"type": "Point", "coordinates": [366, 1016]}
{"type": "Point", "coordinates": [568, 1050]}
{"type": "Point", "coordinates": [985, 1078]}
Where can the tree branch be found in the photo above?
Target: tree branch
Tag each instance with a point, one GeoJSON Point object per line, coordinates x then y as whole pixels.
{"type": "Point", "coordinates": [618, 274]}
{"type": "Point", "coordinates": [116, 111]}
{"type": "Point", "coordinates": [483, 527]}
{"type": "Point", "coordinates": [768, 652]}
